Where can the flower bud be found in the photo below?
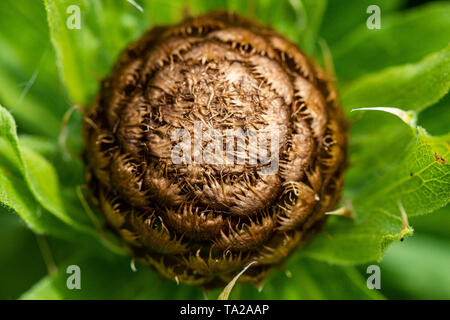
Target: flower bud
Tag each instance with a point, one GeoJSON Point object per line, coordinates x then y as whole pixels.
{"type": "Point", "coordinates": [213, 144]}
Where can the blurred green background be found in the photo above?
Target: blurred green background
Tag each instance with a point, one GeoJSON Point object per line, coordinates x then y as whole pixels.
{"type": "Point", "coordinates": [38, 95]}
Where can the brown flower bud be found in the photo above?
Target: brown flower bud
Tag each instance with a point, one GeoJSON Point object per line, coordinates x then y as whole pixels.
{"type": "Point", "coordinates": [200, 220]}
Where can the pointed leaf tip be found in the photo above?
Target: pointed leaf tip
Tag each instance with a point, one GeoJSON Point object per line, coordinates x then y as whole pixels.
{"type": "Point", "coordinates": [408, 117]}
{"type": "Point", "coordinates": [227, 290]}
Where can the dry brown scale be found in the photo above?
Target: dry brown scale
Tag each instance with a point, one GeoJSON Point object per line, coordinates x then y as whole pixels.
{"type": "Point", "coordinates": [200, 223]}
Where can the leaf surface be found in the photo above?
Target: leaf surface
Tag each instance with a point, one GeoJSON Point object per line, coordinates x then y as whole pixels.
{"type": "Point", "coordinates": [403, 38]}
{"type": "Point", "coordinates": [408, 87]}
{"type": "Point", "coordinates": [37, 173]}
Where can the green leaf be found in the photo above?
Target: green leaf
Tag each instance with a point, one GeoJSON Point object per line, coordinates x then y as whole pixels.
{"type": "Point", "coordinates": [18, 251]}
{"type": "Point", "coordinates": [364, 51]}
{"type": "Point", "coordinates": [362, 240]}
{"type": "Point", "coordinates": [420, 181]}
{"type": "Point", "coordinates": [47, 148]}
{"type": "Point", "coordinates": [86, 55]}
{"type": "Point", "coordinates": [224, 295]}
{"type": "Point", "coordinates": [408, 87]}
{"type": "Point", "coordinates": [312, 12]}
{"type": "Point", "coordinates": [384, 152]}
{"type": "Point", "coordinates": [308, 279]}
{"type": "Point", "coordinates": [436, 224]}
{"type": "Point", "coordinates": [342, 17]}
{"type": "Point", "coordinates": [39, 175]}
{"type": "Point", "coordinates": [408, 117]}
{"type": "Point", "coordinates": [436, 118]}
{"type": "Point", "coordinates": [79, 83]}
{"type": "Point", "coordinates": [30, 85]}
{"type": "Point", "coordinates": [28, 111]}
{"type": "Point", "coordinates": [384, 178]}
{"type": "Point", "coordinates": [14, 195]}
{"type": "Point", "coordinates": [418, 184]}
{"type": "Point", "coordinates": [108, 278]}
{"type": "Point", "coordinates": [162, 12]}
{"type": "Point", "coordinates": [370, 155]}
{"type": "Point", "coordinates": [417, 269]}
{"type": "Point", "coordinates": [70, 172]}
